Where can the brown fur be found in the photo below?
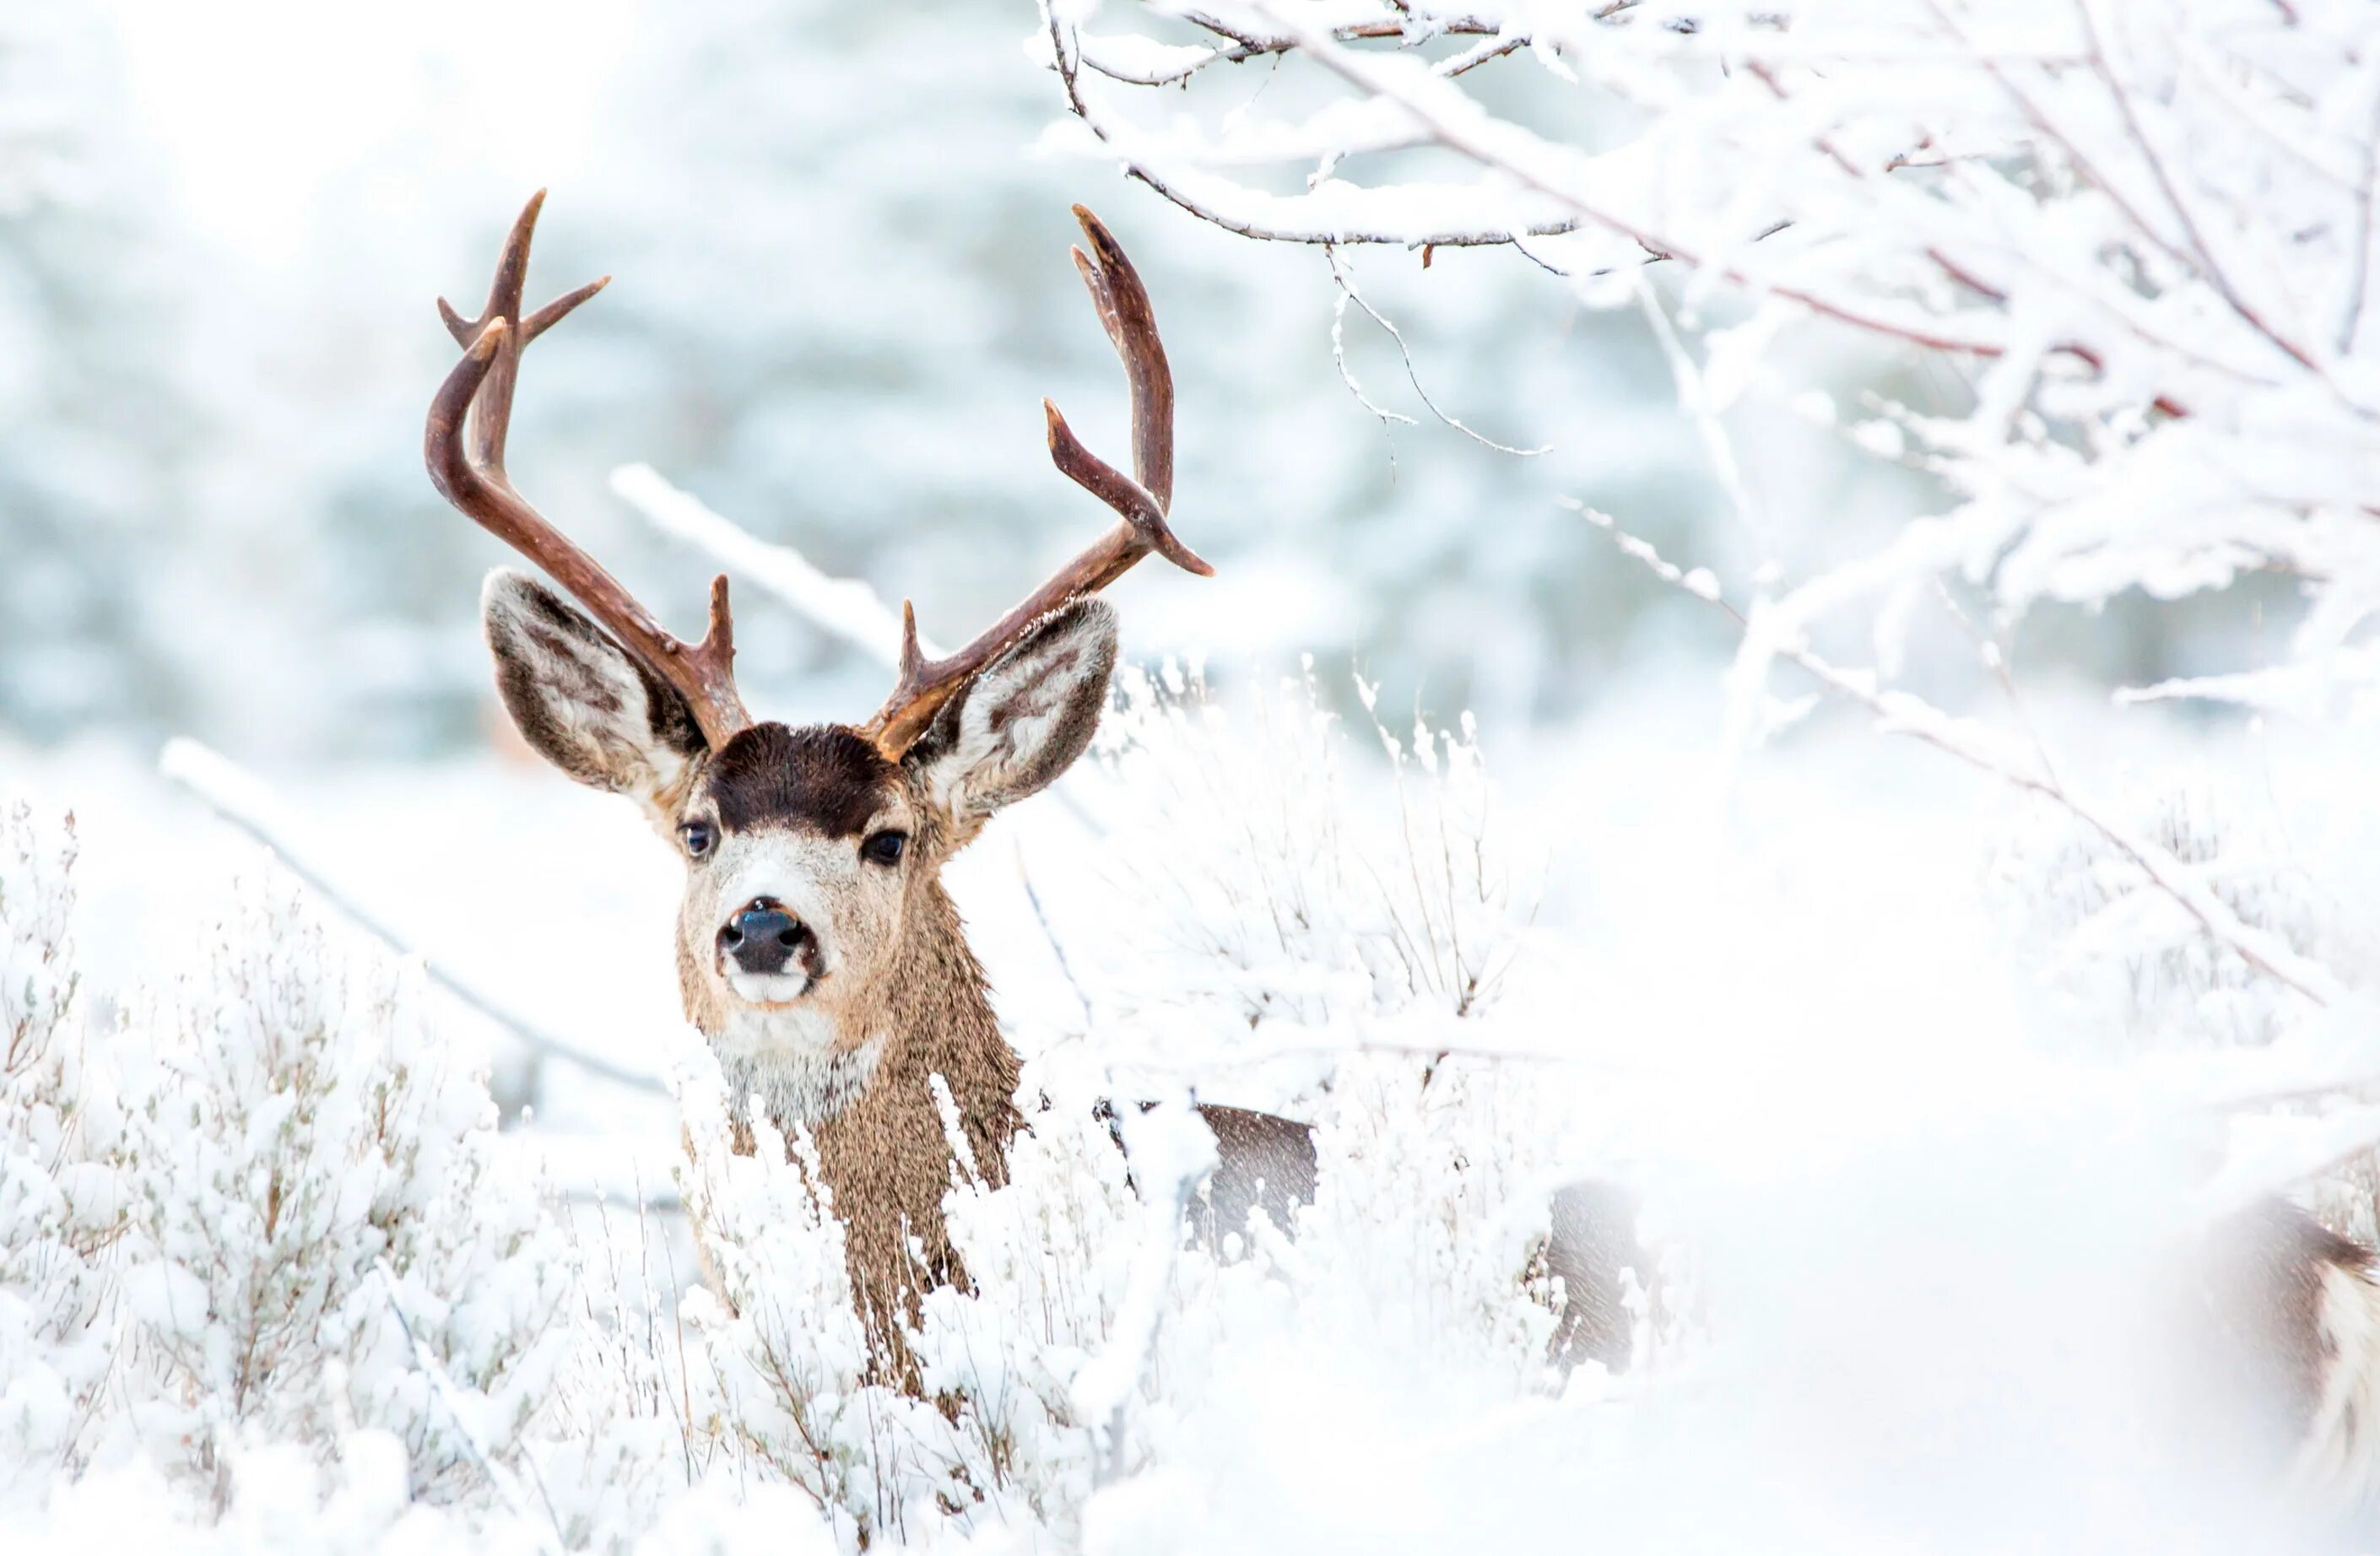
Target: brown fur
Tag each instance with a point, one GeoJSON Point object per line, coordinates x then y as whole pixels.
{"type": "Point", "coordinates": [1591, 1247]}
{"type": "Point", "coordinates": [885, 1156]}
{"type": "Point", "coordinates": [826, 778]}
{"type": "Point", "coordinates": [2258, 1324]}
{"type": "Point", "coordinates": [1262, 1162]}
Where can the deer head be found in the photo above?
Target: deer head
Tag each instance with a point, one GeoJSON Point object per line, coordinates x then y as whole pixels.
{"type": "Point", "coordinates": [813, 907]}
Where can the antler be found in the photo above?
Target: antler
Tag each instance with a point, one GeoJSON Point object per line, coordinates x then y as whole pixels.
{"type": "Point", "coordinates": [480, 387]}
{"type": "Point", "coordinates": [925, 685]}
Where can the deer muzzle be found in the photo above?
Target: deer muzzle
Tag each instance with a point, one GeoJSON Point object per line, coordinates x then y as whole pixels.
{"type": "Point", "coordinates": [763, 941]}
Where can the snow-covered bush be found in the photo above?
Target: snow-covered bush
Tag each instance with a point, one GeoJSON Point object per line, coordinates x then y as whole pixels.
{"type": "Point", "coordinates": [255, 1236]}
{"type": "Point", "coordinates": [56, 1203]}
{"type": "Point", "coordinates": [779, 1375]}
{"type": "Point", "coordinates": [317, 1234]}
{"type": "Point", "coordinates": [1272, 908]}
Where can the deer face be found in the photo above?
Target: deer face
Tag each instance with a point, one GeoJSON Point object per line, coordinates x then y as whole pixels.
{"type": "Point", "coordinates": [813, 855]}
{"type": "Point", "coordinates": [812, 858]}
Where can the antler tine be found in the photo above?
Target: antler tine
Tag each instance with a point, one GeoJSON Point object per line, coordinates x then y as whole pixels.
{"type": "Point", "coordinates": [479, 392]}
{"type": "Point", "coordinates": [1124, 313]}
{"type": "Point", "coordinates": [925, 686]}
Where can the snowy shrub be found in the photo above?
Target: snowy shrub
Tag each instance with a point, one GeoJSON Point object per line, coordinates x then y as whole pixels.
{"type": "Point", "coordinates": [1269, 904]}
{"type": "Point", "coordinates": [779, 1374]}
{"type": "Point", "coordinates": [308, 1235]}
{"type": "Point", "coordinates": [55, 1203]}
{"type": "Point", "coordinates": [260, 1259]}
{"type": "Point", "coordinates": [319, 1240]}
{"type": "Point", "coordinates": [613, 1449]}
{"type": "Point", "coordinates": [1068, 1268]}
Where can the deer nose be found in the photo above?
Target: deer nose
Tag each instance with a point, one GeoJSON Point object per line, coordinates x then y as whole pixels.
{"type": "Point", "coordinates": [764, 938]}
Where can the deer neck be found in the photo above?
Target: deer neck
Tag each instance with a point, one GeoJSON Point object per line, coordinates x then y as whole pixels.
{"type": "Point", "coordinates": [932, 1016]}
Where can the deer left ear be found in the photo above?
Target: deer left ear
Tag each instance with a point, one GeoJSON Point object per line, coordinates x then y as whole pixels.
{"type": "Point", "coordinates": [1024, 720]}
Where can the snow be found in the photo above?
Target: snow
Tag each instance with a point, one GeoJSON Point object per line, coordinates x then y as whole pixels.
{"type": "Point", "coordinates": [1930, 992]}
{"type": "Point", "coordinates": [1830, 1027]}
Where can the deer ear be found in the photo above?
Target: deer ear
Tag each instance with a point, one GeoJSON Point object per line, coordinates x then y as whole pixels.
{"type": "Point", "coordinates": [583, 702]}
{"type": "Point", "coordinates": [1024, 720]}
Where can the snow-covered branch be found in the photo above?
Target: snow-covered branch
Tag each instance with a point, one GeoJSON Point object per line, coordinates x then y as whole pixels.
{"type": "Point", "coordinates": [1982, 748]}
{"type": "Point", "coordinates": [243, 801]}
{"type": "Point", "coordinates": [845, 608]}
{"type": "Point", "coordinates": [2146, 230]}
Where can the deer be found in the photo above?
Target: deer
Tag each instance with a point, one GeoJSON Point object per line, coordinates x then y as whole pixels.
{"type": "Point", "coordinates": [821, 959]}
{"type": "Point", "coordinates": [817, 952]}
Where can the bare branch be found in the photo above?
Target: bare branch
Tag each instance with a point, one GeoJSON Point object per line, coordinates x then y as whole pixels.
{"type": "Point", "coordinates": [1347, 292]}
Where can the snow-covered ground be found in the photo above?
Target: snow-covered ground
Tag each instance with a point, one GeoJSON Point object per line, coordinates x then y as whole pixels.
{"type": "Point", "coordinates": [1917, 1084]}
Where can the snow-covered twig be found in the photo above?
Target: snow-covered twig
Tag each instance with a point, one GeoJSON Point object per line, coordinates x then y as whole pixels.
{"type": "Point", "coordinates": [1348, 293]}
{"type": "Point", "coordinates": [1902, 713]}
{"type": "Point", "coordinates": [2149, 242]}
{"type": "Point", "coordinates": [844, 608]}
{"type": "Point", "coordinates": [1171, 1151]}
{"type": "Point", "coordinates": [242, 800]}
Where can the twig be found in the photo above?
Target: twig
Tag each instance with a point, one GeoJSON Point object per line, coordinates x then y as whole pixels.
{"type": "Point", "coordinates": [1057, 946]}
{"type": "Point", "coordinates": [1466, 139]}
{"type": "Point", "coordinates": [216, 782]}
{"type": "Point", "coordinates": [1363, 72]}
{"type": "Point", "coordinates": [1694, 398]}
{"type": "Point", "coordinates": [2208, 266]}
{"type": "Point", "coordinates": [1346, 373]}
{"type": "Point", "coordinates": [845, 608]}
{"type": "Point", "coordinates": [2351, 323]}
{"type": "Point", "coordinates": [1347, 293]}
{"type": "Point", "coordinates": [1068, 63]}
{"type": "Point", "coordinates": [1904, 714]}
{"type": "Point", "coordinates": [1242, 47]}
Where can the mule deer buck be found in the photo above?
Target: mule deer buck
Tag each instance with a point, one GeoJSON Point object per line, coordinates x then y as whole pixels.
{"type": "Point", "coordinates": [816, 949]}
{"type": "Point", "coordinates": [819, 954]}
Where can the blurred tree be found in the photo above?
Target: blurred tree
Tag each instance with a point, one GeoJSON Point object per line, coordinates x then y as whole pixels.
{"type": "Point", "coordinates": [95, 420]}
{"type": "Point", "coordinates": [841, 294]}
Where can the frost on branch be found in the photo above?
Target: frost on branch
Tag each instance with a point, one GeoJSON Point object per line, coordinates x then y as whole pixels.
{"type": "Point", "coordinates": [319, 1239]}
{"type": "Point", "coordinates": [2143, 233]}
{"type": "Point", "coordinates": [2145, 974]}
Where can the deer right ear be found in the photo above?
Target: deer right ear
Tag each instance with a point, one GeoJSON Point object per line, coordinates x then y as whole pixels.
{"type": "Point", "coordinates": [583, 702]}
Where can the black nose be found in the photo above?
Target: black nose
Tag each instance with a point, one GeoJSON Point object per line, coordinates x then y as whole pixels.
{"type": "Point", "coordinates": [764, 938]}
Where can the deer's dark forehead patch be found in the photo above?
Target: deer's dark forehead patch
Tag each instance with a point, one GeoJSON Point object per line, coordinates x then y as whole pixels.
{"type": "Point", "coordinates": [825, 778]}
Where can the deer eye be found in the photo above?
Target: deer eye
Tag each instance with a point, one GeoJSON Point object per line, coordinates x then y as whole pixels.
{"type": "Point", "coordinates": [699, 838]}
{"type": "Point", "coordinates": [884, 848]}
